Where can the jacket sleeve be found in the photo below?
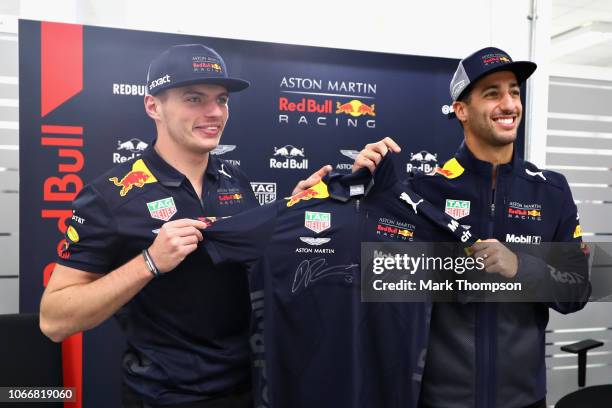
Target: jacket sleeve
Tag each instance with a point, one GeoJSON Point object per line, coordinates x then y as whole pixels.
{"type": "Point", "coordinates": [560, 277]}
{"type": "Point", "coordinates": [241, 239]}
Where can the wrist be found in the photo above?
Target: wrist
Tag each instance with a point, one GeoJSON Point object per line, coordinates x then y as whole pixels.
{"type": "Point", "coordinates": [150, 264]}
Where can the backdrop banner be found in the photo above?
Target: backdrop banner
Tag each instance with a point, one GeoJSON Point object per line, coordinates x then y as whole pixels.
{"type": "Point", "coordinates": [81, 111]}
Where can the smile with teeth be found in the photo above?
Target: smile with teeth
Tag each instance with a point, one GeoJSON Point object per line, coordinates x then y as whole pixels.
{"type": "Point", "coordinates": [504, 120]}
{"type": "Point", "coordinates": [209, 128]}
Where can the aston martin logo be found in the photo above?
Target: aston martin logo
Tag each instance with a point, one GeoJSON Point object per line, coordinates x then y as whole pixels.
{"type": "Point", "coordinates": [315, 241]}
{"type": "Point", "coordinates": [222, 149]}
{"type": "Point", "coordinates": [351, 154]}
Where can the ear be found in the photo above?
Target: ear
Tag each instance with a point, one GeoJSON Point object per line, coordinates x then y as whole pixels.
{"type": "Point", "coordinates": [460, 111]}
{"type": "Point", "coordinates": [152, 106]}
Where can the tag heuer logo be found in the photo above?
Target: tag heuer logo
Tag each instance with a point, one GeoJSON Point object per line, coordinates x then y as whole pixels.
{"type": "Point", "coordinates": [317, 221]}
{"type": "Point", "coordinates": [162, 209]}
{"type": "Point", "coordinates": [457, 208]}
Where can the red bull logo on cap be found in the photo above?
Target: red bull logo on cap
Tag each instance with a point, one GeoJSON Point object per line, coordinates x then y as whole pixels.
{"type": "Point", "coordinates": [137, 177]}
{"type": "Point", "coordinates": [355, 108]}
{"type": "Point", "coordinates": [319, 190]}
{"type": "Point", "coordinates": [495, 59]}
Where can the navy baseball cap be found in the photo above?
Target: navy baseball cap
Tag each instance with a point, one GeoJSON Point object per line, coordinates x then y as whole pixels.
{"type": "Point", "coordinates": [484, 62]}
{"type": "Point", "coordinates": [188, 64]}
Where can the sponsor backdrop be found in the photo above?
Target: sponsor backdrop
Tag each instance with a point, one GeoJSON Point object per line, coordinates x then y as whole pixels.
{"type": "Point", "coordinates": [81, 112]}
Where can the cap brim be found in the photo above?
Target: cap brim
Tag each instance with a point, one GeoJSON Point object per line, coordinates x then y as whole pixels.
{"type": "Point", "coordinates": [231, 84]}
{"type": "Point", "coordinates": [522, 69]}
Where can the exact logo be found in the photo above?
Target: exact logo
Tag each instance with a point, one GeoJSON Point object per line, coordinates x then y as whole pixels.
{"type": "Point", "coordinates": [160, 81]}
{"type": "Point", "coordinates": [424, 161]}
{"type": "Point", "coordinates": [524, 239]}
{"type": "Point", "coordinates": [265, 192]}
{"type": "Point", "coordinates": [288, 153]}
{"type": "Point", "coordinates": [134, 146]}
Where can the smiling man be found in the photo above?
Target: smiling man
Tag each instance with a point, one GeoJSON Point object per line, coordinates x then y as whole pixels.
{"type": "Point", "coordinates": [133, 251]}
{"type": "Point", "coordinates": [491, 355]}
{"type": "Point", "coordinates": [485, 355]}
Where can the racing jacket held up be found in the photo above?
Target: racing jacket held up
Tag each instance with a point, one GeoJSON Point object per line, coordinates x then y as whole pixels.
{"type": "Point", "coordinates": [487, 355]}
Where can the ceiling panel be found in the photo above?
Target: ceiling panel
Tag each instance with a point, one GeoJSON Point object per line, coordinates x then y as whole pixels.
{"type": "Point", "coordinates": [569, 14]}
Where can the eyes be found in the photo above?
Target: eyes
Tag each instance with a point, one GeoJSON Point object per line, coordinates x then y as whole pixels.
{"type": "Point", "coordinates": [495, 93]}
{"type": "Point", "coordinates": [197, 99]}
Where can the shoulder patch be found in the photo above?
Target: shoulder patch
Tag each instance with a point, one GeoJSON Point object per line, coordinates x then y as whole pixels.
{"type": "Point", "coordinates": [319, 190]}
{"type": "Point", "coordinates": [137, 177]}
{"type": "Point", "coordinates": [451, 169]}
{"type": "Point", "coordinates": [531, 172]}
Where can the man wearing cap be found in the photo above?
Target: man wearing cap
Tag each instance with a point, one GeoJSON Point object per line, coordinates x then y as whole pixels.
{"type": "Point", "coordinates": [132, 248]}
{"type": "Point", "coordinates": [491, 355]}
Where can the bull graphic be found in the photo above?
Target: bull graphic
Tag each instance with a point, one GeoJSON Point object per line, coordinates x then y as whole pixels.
{"type": "Point", "coordinates": [132, 145]}
{"type": "Point", "coordinates": [289, 151]}
{"type": "Point", "coordinates": [133, 178]}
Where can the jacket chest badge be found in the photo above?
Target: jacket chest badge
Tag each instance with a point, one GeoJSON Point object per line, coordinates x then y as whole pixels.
{"type": "Point", "coordinates": [520, 211]}
{"type": "Point", "coordinates": [457, 208]}
{"type": "Point", "coordinates": [162, 209]}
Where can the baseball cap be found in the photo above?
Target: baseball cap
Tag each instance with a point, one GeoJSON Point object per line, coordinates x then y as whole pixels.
{"type": "Point", "coordinates": [187, 64]}
{"type": "Point", "coordinates": [484, 62]}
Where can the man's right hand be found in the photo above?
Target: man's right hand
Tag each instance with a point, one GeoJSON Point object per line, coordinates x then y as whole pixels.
{"type": "Point", "coordinates": [175, 240]}
{"type": "Point", "coordinates": [372, 154]}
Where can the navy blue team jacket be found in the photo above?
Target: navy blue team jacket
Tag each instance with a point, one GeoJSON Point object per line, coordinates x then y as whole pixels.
{"type": "Point", "coordinates": [487, 355]}
{"type": "Point", "coordinates": [315, 343]}
{"type": "Point", "coordinates": [187, 331]}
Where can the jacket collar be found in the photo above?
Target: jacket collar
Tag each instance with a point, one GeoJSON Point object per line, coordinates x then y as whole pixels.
{"type": "Point", "coordinates": [467, 159]}
{"type": "Point", "coordinates": [168, 175]}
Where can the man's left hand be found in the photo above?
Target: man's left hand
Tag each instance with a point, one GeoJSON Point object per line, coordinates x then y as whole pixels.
{"type": "Point", "coordinates": [497, 257]}
{"type": "Point", "coordinates": [312, 180]}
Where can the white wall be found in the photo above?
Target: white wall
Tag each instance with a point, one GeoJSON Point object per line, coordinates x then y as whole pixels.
{"type": "Point", "coordinates": [439, 28]}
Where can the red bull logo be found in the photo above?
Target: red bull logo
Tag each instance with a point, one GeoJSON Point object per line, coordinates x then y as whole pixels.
{"type": "Point", "coordinates": [405, 233]}
{"type": "Point", "coordinates": [530, 213]}
{"type": "Point", "coordinates": [72, 234]}
{"type": "Point", "coordinates": [137, 177]}
{"type": "Point", "coordinates": [355, 108]}
{"type": "Point", "coordinates": [387, 229]}
{"type": "Point", "coordinates": [64, 251]}
{"type": "Point", "coordinates": [228, 197]}
{"type": "Point", "coordinates": [451, 169]}
{"type": "Point", "coordinates": [206, 66]}
{"type": "Point", "coordinates": [319, 190]}
{"type": "Point", "coordinates": [210, 220]}
{"type": "Point", "coordinates": [577, 231]}
{"type": "Point", "coordinates": [305, 105]}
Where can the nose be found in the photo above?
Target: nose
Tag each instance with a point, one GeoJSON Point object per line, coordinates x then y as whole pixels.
{"type": "Point", "coordinates": [509, 102]}
{"type": "Point", "coordinates": [214, 109]}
